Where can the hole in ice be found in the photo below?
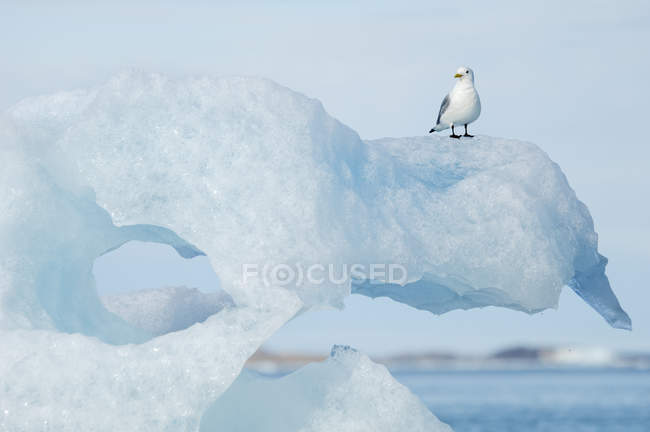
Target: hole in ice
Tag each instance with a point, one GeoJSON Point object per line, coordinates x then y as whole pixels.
{"type": "Point", "coordinates": [154, 289]}
{"type": "Point", "coordinates": [137, 266]}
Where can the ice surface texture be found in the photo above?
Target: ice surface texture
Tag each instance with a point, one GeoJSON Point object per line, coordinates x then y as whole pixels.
{"type": "Point", "coordinates": [165, 310]}
{"type": "Point", "coordinates": [345, 393]}
{"type": "Point", "coordinates": [247, 172]}
{"type": "Point", "coordinates": [70, 382]}
{"type": "Point", "coordinates": [253, 173]}
{"type": "Point", "coordinates": [491, 222]}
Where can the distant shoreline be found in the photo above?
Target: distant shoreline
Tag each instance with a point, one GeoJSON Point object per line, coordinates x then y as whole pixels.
{"type": "Point", "coordinates": [518, 358]}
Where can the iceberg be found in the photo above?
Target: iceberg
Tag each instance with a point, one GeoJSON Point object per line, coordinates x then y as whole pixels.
{"type": "Point", "coordinates": [347, 393]}
{"type": "Point", "coordinates": [71, 382]}
{"type": "Point", "coordinates": [252, 175]}
{"type": "Point", "coordinates": [480, 209]}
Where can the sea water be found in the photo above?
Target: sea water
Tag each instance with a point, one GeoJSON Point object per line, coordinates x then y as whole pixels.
{"type": "Point", "coordinates": [558, 400]}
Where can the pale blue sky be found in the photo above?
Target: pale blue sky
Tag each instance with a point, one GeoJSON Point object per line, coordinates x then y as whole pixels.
{"type": "Point", "coordinates": [570, 76]}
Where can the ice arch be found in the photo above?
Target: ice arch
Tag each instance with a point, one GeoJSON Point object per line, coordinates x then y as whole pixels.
{"type": "Point", "coordinates": [252, 172]}
{"type": "Point", "coordinates": [50, 237]}
{"type": "Point", "coordinates": [247, 171]}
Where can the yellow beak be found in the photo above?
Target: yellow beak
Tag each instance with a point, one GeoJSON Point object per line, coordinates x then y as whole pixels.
{"type": "Point", "coordinates": [458, 75]}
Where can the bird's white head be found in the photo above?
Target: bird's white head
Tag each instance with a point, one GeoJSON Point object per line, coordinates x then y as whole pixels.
{"type": "Point", "coordinates": [464, 73]}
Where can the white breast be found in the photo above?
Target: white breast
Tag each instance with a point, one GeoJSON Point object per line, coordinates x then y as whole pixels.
{"type": "Point", "coordinates": [464, 106]}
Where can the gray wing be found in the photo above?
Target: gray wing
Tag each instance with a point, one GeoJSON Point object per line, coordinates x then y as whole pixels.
{"type": "Point", "coordinates": [443, 108]}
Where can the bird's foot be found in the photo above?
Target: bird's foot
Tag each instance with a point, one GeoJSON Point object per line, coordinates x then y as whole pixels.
{"type": "Point", "coordinates": [432, 131]}
{"type": "Point", "coordinates": [468, 135]}
{"type": "Point", "coordinates": [454, 136]}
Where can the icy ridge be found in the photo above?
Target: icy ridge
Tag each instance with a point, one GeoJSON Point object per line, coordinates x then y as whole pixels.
{"type": "Point", "coordinates": [248, 172]}
{"type": "Point", "coordinates": [347, 392]}
{"type": "Point", "coordinates": [70, 382]}
{"type": "Point", "coordinates": [253, 173]}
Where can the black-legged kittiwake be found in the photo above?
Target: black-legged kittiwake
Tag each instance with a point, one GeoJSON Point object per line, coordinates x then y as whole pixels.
{"type": "Point", "coordinates": [461, 106]}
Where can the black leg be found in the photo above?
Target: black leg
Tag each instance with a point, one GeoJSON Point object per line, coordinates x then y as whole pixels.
{"type": "Point", "coordinates": [453, 133]}
{"type": "Point", "coordinates": [466, 134]}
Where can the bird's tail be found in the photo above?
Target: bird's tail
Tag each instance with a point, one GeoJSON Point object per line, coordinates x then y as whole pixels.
{"type": "Point", "coordinates": [439, 127]}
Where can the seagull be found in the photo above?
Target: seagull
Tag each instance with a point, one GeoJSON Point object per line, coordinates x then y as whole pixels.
{"type": "Point", "coordinates": [461, 106]}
